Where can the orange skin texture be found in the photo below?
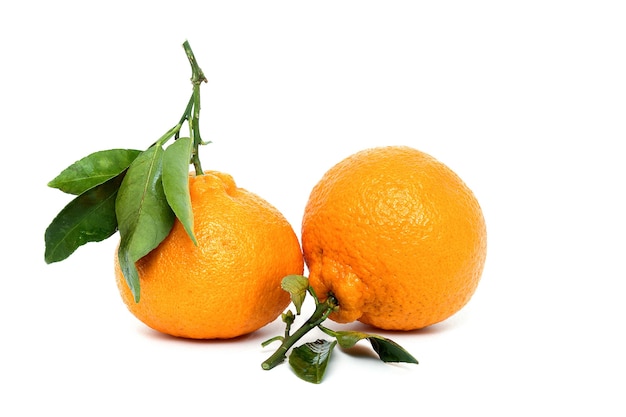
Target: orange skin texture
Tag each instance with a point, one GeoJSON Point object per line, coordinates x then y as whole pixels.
{"type": "Point", "coordinates": [228, 285]}
{"type": "Point", "coordinates": [396, 236]}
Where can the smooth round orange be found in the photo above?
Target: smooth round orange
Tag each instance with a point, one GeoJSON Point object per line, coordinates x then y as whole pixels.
{"type": "Point", "coordinates": [396, 237]}
{"type": "Point", "coordinates": [229, 284]}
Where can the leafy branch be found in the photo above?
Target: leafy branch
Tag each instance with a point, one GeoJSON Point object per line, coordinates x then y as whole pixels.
{"type": "Point", "coordinates": [139, 193]}
{"type": "Point", "coordinates": [309, 360]}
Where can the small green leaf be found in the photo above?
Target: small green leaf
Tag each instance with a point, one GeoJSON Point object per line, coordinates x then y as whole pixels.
{"type": "Point", "coordinates": [176, 182]}
{"type": "Point", "coordinates": [90, 217]}
{"type": "Point", "coordinates": [143, 215]}
{"type": "Point", "coordinates": [387, 350]}
{"type": "Point", "coordinates": [129, 269]}
{"type": "Point", "coordinates": [92, 170]}
{"type": "Point", "coordinates": [296, 286]}
{"type": "Point", "coordinates": [390, 351]}
{"type": "Point", "coordinates": [347, 339]}
{"type": "Point", "coordinates": [288, 317]}
{"type": "Point", "coordinates": [309, 360]}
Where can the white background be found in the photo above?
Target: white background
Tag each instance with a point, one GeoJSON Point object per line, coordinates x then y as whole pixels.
{"type": "Point", "coordinates": [526, 101]}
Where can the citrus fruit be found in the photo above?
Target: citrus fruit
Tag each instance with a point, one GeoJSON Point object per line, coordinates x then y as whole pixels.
{"type": "Point", "coordinates": [229, 284]}
{"type": "Point", "coordinates": [396, 236]}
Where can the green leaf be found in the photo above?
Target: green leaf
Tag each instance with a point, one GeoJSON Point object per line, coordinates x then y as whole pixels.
{"type": "Point", "coordinates": [176, 182]}
{"type": "Point", "coordinates": [143, 215]}
{"type": "Point", "coordinates": [346, 339]}
{"type": "Point", "coordinates": [92, 170]}
{"type": "Point", "coordinates": [390, 351]}
{"type": "Point", "coordinates": [296, 286]}
{"type": "Point", "coordinates": [387, 350]}
{"type": "Point", "coordinates": [129, 269]}
{"type": "Point", "coordinates": [90, 217]}
{"type": "Point", "coordinates": [309, 360]}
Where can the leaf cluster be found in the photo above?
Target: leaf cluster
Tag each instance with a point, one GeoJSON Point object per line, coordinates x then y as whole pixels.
{"type": "Point", "coordinates": [136, 192]}
{"type": "Point", "coordinates": [139, 193]}
{"type": "Point", "coordinates": [309, 360]}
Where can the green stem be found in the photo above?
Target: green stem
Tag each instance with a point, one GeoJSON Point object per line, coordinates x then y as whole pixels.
{"type": "Point", "coordinates": [168, 135]}
{"type": "Point", "coordinates": [321, 313]}
{"type": "Point", "coordinates": [273, 339]}
{"type": "Point", "coordinates": [192, 113]}
{"type": "Point", "coordinates": [197, 76]}
{"type": "Point", "coordinates": [186, 115]}
{"type": "Point", "coordinates": [328, 331]}
{"type": "Point", "coordinates": [195, 130]}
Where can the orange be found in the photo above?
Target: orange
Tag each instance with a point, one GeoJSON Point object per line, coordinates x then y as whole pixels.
{"type": "Point", "coordinates": [228, 285]}
{"type": "Point", "coordinates": [396, 236]}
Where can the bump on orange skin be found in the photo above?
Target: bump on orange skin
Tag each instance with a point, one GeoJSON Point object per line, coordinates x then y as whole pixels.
{"type": "Point", "coordinates": [396, 236]}
{"type": "Point", "coordinates": [228, 285]}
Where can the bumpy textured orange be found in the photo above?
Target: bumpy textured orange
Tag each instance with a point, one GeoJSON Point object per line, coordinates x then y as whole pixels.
{"type": "Point", "coordinates": [396, 236]}
{"type": "Point", "coordinates": [228, 285]}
